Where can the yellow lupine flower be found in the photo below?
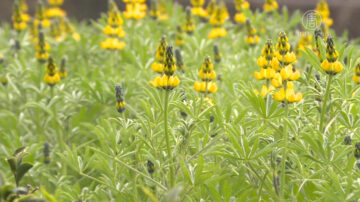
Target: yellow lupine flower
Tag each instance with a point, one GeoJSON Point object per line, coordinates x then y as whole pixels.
{"type": "Point", "coordinates": [135, 11]}
{"type": "Point", "coordinates": [52, 76]}
{"type": "Point", "coordinates": [289, 95]}
{"type": "Point", "coordinates": [211, 7]}
{"type": "Point", "coordinates": [205, 87]}
{"type": "Point", "coordinates": [217, 32]}
{"type": "Point", "coordinates": [179, 39]}
{"type": "Point", "coordinates": [55, 3]}
{"type": "Point", "coordinates": [114, 31]}
{"type": "Point", "coordinates": [265, 91]}
{"type": "Point", "coordinates": [112, 44]}
{"type": "Point", "coordinates": [331, 66]}
{"type": "Point", "coordinates": [197, 8]}
{"type": "Point", "coordinates": [42, 48]}
{"type": "Point", "coordinates": [241, 5]}
{"type": "Point", "coordinates": [55, 12]}
{"type": "Point", "coordinates": [157, 67]}
{"type": "Point", "coordinates": [267, 73]}
{"type": "Point", "coordinates": [189, 26]}
{"type": "Point", "coordinates": [305, 41]}
{"type": "Point", "coordinates": [270, 5]}
{"type": "Point", "coordinates": [356, 76]}
{"type": "Point", "coordinates": [206, 74]}
{"type": "Point", "coordinates": [240, 18]}
{"type": "Point", "coordinates": [41, 16]}
{"type": "Point", "coordinates": [120, 101]}
{"type": "Point", "coordinates": [252, 38]}
{"type": "Point", "coordinates": [322, 9]}
{"type": "Point", "coordinates": [18, 18]}
{"type": "Point", "coordinates": [217, 54]}
{"type": "Point", "coordinates": [167, 81]}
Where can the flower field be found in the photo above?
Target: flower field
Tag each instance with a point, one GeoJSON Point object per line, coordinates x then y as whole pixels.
{"type": "Point", "coordinates": [159, 102]}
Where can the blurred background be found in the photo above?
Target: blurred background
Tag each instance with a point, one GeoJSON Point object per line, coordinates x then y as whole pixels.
{"type": "Point", "coordinates": [344, 12]}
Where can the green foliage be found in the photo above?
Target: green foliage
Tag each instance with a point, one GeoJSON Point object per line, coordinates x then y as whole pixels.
{"type": "Point", "coordinates": [229, 151]}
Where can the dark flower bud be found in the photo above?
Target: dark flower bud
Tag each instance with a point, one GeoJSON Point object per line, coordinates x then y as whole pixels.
{"type": "Point", "coordinates": [46, 153]}
{"type": "Point", "coordinates": [357, 150]}
{"type": "Point", "coordinates": [150, 167]}
{"type": "Point", "coordinates": [347, 140]}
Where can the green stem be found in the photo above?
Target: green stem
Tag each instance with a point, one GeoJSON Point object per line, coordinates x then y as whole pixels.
{"type": "Point", "coordinates": [285, 139]}
{"type": "Point", "coordinates": [327, 92]}
{"type": "Point", "coordinates": [166, 128]}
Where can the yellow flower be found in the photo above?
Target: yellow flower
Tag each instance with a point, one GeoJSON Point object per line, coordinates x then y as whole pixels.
{"type": "Point", "coordinates": [42, 48]}
{"type": "Point", "coordinates": [207, 75]}
{"type": "Point", "coordinates": [179, 40]}
{"type": "Point", "coordinates": [217, 18]}
{"type": "Point", "coordinates": [114, 31]}
{"type": "Point", "coordinates": [270, 5]}
{"type": "Point", "coordinates": [211, 7]}
{"type": "Point", "coordinates": [135, 11]}
{"type": "Point", "coordinates": [356, 78]}
{"type": "Point", "coordinates": [62, 72]}
{"type": "Point", "coordinates": [52, 80]}
{"type": "Point", "coordinates": [283, 45]}
{"type": "Point", "coordinates": [112, 44]}
{"type": "Point", "coordinates": [267, 73]}
{"type": "Point", "coordinates": [41, 16]}
{"type": "Point", "coordinates": [217, 54]}
{"type": "Point", "coordinates": [189, 26]}
{"type": "Point", "coordinates": [120, 101]}
{"type": "Point", "coordinates": [160, 50]}
{"type": "Point", "coordinates": [241, 5]}
{"type": "Point", "coordinates": [55, 2]}
{"type": "Point", "coordinates": [252, 38]}
{"type": "Point", "coordinates": [322, 9]}
{"type": "Point", "coordinates": [199, 11]}
{"type": "Point", "coordinates": [179, 60]}
{"type": "Point", "coordinates": [305, 41]}
{"type": "Point", "coordinates": [240, 18]}
{"type": "Point", "coordinates": [217, 32]}
{"type": "Point", "coordinates": [19, 18]}
{"type": "Point", "coordinates": [265, 91]}
{"type": "Point", "coordinates": [277, 80]}
{"type": "Point", "coordinates": [331, 68]}
{"type": "Point", "coordinates": [4, 81]}
{"type": "Point", "coordinates": [289, 95]}
{"type": "Point", "coordinates": [55, 31]}
{"type": "Point", "coordinates": [289, 73]}
{"type": "Point", "coordinates": [154, 10]}
{"type": "Point", "coordinates": [52, 76]}
{"type": "Point", "coordinates": [275, 64]}
{"type": "Point", "coordinates": [54, 12]}
{"type": "Point", "coordinates": [197, 2]}
{"type": "Point", "coordinates": [157, 67]}
{"type": "Point", "coordinates": [166, 82]}
{"type": "Point", "coordinates": [205, 87]}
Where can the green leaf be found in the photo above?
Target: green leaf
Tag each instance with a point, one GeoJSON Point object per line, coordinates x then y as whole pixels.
{"type": "Point", "coordinates": [12, 163]}
{"type": "Point", "coordinates": [148, 193]}
{"type": "Point", "coordinates": [47, 196]}
{"type": "Point", "coordinates": [21, 171]}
